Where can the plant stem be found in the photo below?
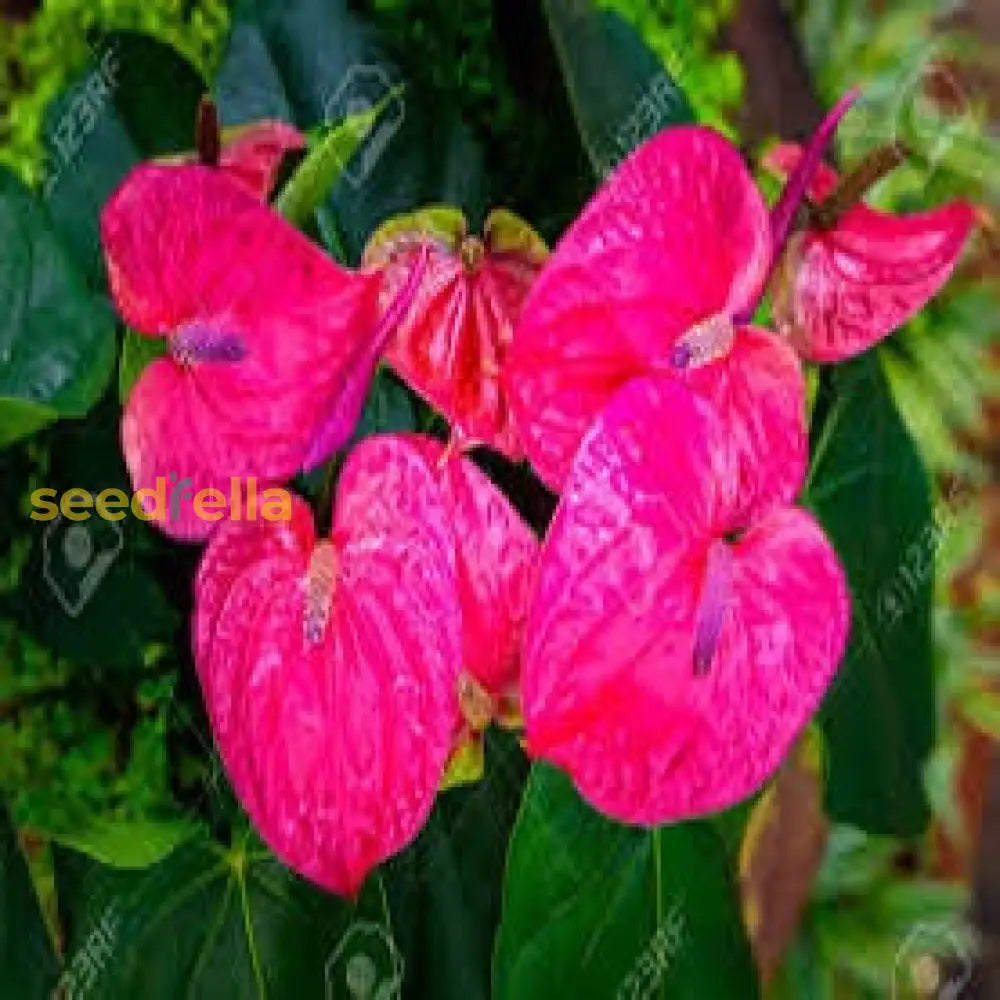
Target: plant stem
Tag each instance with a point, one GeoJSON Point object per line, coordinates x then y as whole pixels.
{"type": "Point", "coordinates": [854, 185]}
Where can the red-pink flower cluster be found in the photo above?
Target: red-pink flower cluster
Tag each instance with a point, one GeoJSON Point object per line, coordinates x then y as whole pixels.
{"type": "Point", "coordinates": [682, 619]}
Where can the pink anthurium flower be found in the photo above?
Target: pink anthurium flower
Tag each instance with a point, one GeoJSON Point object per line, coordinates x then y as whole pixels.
{"type": "Point", "coordinates": [453, 342]}
{"type": "Point", "coordinates": [676, 645]}
{"type": "Point", "coordinates": [653, 277]}
{"type": "Point", "coordinates": [329, 667]}
{"type": "Point", "coordinates": [252, 154]}
{"type": "Point", "coordinates": [340, 675]}
{"type": "Point", "coordinates": [842, 289]}
{"type": "Point", "coordinates": [270, 343]}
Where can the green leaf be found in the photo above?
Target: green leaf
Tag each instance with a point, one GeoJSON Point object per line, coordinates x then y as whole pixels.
{"type": "Point", "coordinates": [137, 352]}
{"type": "Point", "coordinates": [466, 766]}
{"type": "Point", "coordinates": [388, 408]}
{"type": "Point", "coordinates": [127, 844]}
{"type": "Point", "coordinates": [315, 61]}
{"type": "Point", "coordinates": [20, 418]}
{"type": "Point", "coordinates": [619, 91]}
{"type": "Point", "coordinates": [27, 963]}
{"type": "Point", "coordinates": [315, 178]}
{"type": "Point", "coordinates": [56, 339]}
{"type": "Point", "coordinates": [211, 921]}
{"type": "Point", "coordinates": [869, 489]}
{"type": "Point", "coordinates": [137, 100]}
{"type": "Point", "coordinates": [595, 909]}
{"type": "Point", "coordinates": [445, 889]}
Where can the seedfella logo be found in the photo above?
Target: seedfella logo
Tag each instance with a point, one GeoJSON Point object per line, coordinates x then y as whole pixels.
{"type": "Point", "coordinates": [163, 502]}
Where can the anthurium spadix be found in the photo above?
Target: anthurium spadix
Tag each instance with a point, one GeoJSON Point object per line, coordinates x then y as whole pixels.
{"type": "Point", "coordinates": [848, 282]}
{"type": "Point", "coordinates": [453, 342]}
{"type": "Point", "coordinates": [676, 644]}
{"type": "Point", "coordinates": [650, 278]}
{"type": "Point", "coordinates": [269, 342]}
{"type": "Point", "coordinates": [341, 674]}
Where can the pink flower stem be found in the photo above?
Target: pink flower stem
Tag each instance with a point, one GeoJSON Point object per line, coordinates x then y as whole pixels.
{"type": "Point", "coordinates": [855, 185]}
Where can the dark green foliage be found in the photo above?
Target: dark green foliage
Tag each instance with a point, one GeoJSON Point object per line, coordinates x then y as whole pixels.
{"type": "Point", "coordinates": [592, 907]}
{"type": "Point", "coordinates": [870, 491]}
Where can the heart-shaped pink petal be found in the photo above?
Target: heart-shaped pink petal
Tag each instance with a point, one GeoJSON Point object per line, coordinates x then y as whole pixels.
{"type": "Point", "coordinates": [194, 257]}
{"type": "Point", "coordinates": [674, 650]}
{"type": "Point", "coordinates": [678, 236]}
{"type": "Point", "coordinates": [330, 669]}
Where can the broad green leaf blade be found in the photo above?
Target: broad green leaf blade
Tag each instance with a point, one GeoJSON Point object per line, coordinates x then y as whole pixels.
{"type": "Point", "coordinates": [869, 489]}
{"type": "Point", "coordinates": [444, 890]}
{"type": "Point", "coordinates": [316, 177]}
{"type": "Point", "coordinates": [619, 91]}
{"type": "Point", "coordinates": [136, 101]}
{"type": "Point", "coordinates": [28, 965]}
{"type": "Point", "coordinates": [209, 922]}
{"type": "Point", "coordinates": [315, 61]}
{"type": "Point", "coordinates": [593, 909]}
{"type": "Point", "coordinates": [56, 339]}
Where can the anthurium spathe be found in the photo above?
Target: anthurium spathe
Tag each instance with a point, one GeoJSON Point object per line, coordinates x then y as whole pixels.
{"type": "Point", "coordinates": [849, 282]}
{"type": "Point", "coordinates": [676, 646]}
{"type": "Point", "coordinates": [251, 154]}
{"type": "Point", "coordinates": [650, 278]}
{"type": "Point", "coordinates": [496, 559]}
{"type": "Point", "coordinates": [330, 667]}
{"type": "Point", "coordinates": [452, 344]}
{"type": "Point", "coordinates": [267, 338]}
